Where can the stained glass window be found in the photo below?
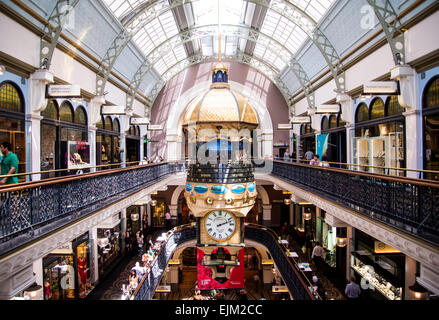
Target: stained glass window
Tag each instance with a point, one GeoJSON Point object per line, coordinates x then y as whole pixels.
{"type": "Point", "coordinates": [66, 112]}
{"type": "Point", "coordinates": [393, 106]}
{"type": "Point", "coordinates": [333, 122]}
{"type": "Point", "coordinates": [432, 94]}
{"type": "Point", "coordinates": [51, 111]}
{"type": "Point", "coordinates": [116, 126]}
{"type": "Point", "coordinates": [80, 116]}
{"type": "Point", "coordinates": [108, 124]}
{"type": "Point", "coordinates": [377, 109]}
{"type": "Point", "coordinates": [100, 124]}
{"type": "Point", "coordinates": [362, 113]}
{"type": "Point", "coordinates": [10, 98]}
{"type": "Point", "coordinates": [325, 123]}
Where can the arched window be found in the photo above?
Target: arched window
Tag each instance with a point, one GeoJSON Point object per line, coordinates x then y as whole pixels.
{"type": "Point", "coordinates": [10, 98]}
{"type": "Point", "coordinates": [108, 124]}
{"type": "Point", "coordinates": [51, 111]}
{"type": "Point", "coordinates": [325, 123]}
{"type": "Point", "coordinates": [393, 106]}
{"type": "Point", "coordinates": [66, 112]}
{"type": "Point", "coordinates": [100, 124]}
{"type": "Point", "coordinates": [431, 96]}
{"type": "Point", "coordinates": [362, 113]}
{"type": "Point", "coordinates": [116, 125]}
{"type": "Point", "coordinates": [80, 116]}
{"type": "Point", "coordinates": [333, 122]}
{"type": "Point", "coordinates": [377, 109]}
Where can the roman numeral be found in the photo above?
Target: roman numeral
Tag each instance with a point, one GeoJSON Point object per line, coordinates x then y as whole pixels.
{"type": "Point", "coordinates": [220, 213]}
{"type": "Point", "coordinates": [214, 214]}
{"type": "Point", "coordinates": [209, 230]}
{"type": "Point", "coordinates": [214, 234]}
{"type": "Point", "coordinates": [230, 220]}
{"type": "Point", "coordinates": [230, 230]}
{"type": "Point", "coordinates": [220, 236]}
{"type": "Point", "coordinates": [208, 224]}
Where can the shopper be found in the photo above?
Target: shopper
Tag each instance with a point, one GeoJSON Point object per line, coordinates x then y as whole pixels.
{"type": "Point", "coordinates": [309, 155]}
{"type": "Point", "coordinates": [287, 156]}
{"type": "Point", "coordinates": [317, 255]}
{"type": "Point", "coordinates": [353, 290]}
{"type": "Point", "coordinates": [324, 162]}
{"type": "Point", "coordinates": [168, 220]}
{"type": "Point", "coordinates": [315, 161]}
{"type": "Point", "coordinates": [9, 164]}
{"type": "Point", "coordinates": [140, 242]}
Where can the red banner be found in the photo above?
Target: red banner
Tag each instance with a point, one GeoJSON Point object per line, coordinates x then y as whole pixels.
{"type": "Point", "coordinates": [234, 275]}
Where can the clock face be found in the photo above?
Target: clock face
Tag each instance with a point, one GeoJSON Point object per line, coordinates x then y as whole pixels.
{"type": "Point", "coordinates": [220, 225]}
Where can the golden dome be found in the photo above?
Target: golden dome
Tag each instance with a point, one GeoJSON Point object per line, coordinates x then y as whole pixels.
{"type": "Point", "coordinates": [220, 67]}
{"type": "Point", "coordinates": [220, 106]}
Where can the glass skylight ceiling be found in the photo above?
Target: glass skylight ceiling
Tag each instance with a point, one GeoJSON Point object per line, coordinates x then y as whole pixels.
{"type": "Point", "coordinates": [278, 29]}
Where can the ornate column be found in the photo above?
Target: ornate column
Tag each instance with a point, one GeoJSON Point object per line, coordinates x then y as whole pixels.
{"type": "Point", "coordinates": [124, 127]}
{"type": "Point", "coordinates": [348, 115]}
{"type": "Point", "coordinates": [173, 147]}
{"type": "Point", "coordinates": [94, 268]}
{"type": "Point", "coordinates": [123, 227]}
{"type": "Point", "coordinates": [408, 99]}
{"type": "Point", "coordinates": [266, 214]}
{"type": "Point", "coordinates": [37, 103]}
{"type": "Point", "coordinates": [173, 210]}
{"type": "Point", "coordinates": [94, 116]}
{"type": "Point", "coordinates": [267, 144]}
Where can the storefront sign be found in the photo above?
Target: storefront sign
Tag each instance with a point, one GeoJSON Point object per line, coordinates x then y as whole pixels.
{"type": "Point", "coordinates": [113, 110]}
{"type": "Point", "coordinates": [280, 145]}
{"type": "Point", "coordinates": [286, 126]}
{"type": "Point", "coordinates": [301, 120]}
{"type": "Point", "coordinates": [163, 289]}
{"type": "Point", "coordinates": [155, 127]}
{"type": "Point", "coordinates": [78, 154]}
{"type": "Point", "coordinates": [63, 91]}
{"type": "Point", "coordinates": [381, 247]}
{"type": "Point", "coordinates": [380, 87]}
{"type": "Point", "coordinates": [328, 109]}
{"type": "Point", "coordinates": [64, 249]}
{"type": "Point", "coordinates": [139, 121]}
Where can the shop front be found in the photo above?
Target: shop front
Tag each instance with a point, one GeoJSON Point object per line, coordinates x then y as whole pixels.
{"type": "Point", "coordinates": [133, 144]}
{"type": "Point", "coordinates": [108, 142]}
{"type": "Point", "coordinates": [327, 236]}
{"type": "Point", "coordinates": [158, 213]}
{"type": "Point", "coordinates": [380, 267]}
{"type": "Point", "coordinates": [12, 124]}
{"type": "Point", "coordinates": [379, 139]}
{"type": "Point", "coordinates": [307, 140]}
{"type": "Point", "coordinates": [64, 139]}
{"type": "Point", "coordinates": [333, 138]}
{"type": "Point", "coordinates": [66, 271]}
{"type": "Point", "coordinates": [430, 110]}
{"type": "Point", "coordinates": [109, 242]}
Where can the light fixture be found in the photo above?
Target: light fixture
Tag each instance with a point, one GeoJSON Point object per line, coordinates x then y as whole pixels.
{"type": "Point", "coordinates": [287, 201]}
{"type": "Point", "coordinates": [153, 203]}
{"type": "Point", "coordinates": [341, 239]}
{"type": "Point", "coordinates": [2, 70]}
{"type": "Point", "coordinates": [134, 216]}
{"type": "Point", "coordinates": [418, 290]}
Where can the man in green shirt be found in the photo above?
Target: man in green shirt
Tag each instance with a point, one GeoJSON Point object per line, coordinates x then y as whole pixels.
{"type": "Point", "coordinates": [9, 164]}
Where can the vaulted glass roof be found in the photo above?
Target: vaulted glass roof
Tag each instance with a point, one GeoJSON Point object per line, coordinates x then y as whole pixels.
{"type": "Point", "coordinates": [283, 26]}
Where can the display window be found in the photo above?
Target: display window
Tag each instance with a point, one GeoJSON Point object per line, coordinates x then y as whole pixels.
{"type": "Point", "coordinates": [431, 128]}
{"type": "Point", "coordinates": [307, 140]}
{"type": "Point", "coordinates": [158, 213]}
{"type": "Point", "coordinates": [66, 271]}
{"type": "Point", "coordinates": [381, 267]}
{"type": "Point", "coordinates": [327, 237]}
{"type": "Point", "coordinates": [12, 125]}
{"type": "Point", "coordinates": [109, 249]}
{"type": "Point", "coordinates": [333, 136]}
{"type": "Point", "coordinates": [108, 142]}
{"type": "Point", "coordinates": [60, 128]}
{"type": "Point", "coordinates": [379, 138]}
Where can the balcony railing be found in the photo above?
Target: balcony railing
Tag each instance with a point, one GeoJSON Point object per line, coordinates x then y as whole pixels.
{"type": "Point", "coordinates": [294, 278]}
{"type": "Point", "coordinates": [409, 205]}
{"type": "Point", "coordinates": [30, 210]}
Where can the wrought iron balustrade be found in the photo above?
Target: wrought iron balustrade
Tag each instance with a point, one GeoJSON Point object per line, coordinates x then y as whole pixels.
{"type": "Point", "coordinates": [30, 210]}
{"type": "Point", "coordinates": [289, 271]}
{"type": "Point", "coordinates": [409, 205]}
{"type": "Point", "coordinates": [150, 281]}
{"type": "Point", "coordinates": [293, 277]}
